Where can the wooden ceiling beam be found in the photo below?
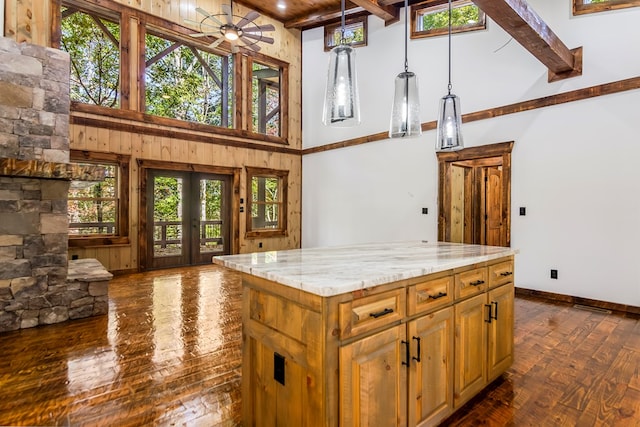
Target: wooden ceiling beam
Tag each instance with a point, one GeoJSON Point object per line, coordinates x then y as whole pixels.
{"type": "Point", "coordinates": [324, 17]}
{"type": "Point", "coordinates": [389, 14]}
{"type": "Point", "coordinates": [524, 25]}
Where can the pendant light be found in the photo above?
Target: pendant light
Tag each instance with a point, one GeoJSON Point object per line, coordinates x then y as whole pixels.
{"type": "Point", "coordinates": [449, 137]}
{"type": "Point", "coordinates": [341, 102]}
{"type": "Point", "coordinates": [405, 111]}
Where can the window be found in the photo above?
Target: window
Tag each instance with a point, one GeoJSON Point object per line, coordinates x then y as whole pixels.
{"type": "Point", "coordinates": [98, 211]}
{"type": "Point", "coordinates": [92, 40]}
{"type": "Point", "coordinates": [268, 104]}
{"type": "Point", "coordinates": [186, 83]}
{"type": "Point", "coordinates": [266, 202]}
{"type": "Point", "coordinates": [355, 33]}
{"type": "Point", "coordinates": [591, 6]}
{"type": "Point", "coordinates": [431, 18]}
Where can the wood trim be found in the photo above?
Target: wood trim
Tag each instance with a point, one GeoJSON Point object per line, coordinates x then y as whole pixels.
{"type": "Point", "coordinates": [523, 292]}
{"type": "Point", "coordinates": [580, 8]}
{"type": "Point", "coordinates": [324, 17]}
{"type": "Point", "coordinates": [283, 93]}
{"type": "Point", "coordinates": [284, 212]}
{"type": "Point", "coordinates": [417, 8]}
{"type": "Point", "coordinates": [125, 75]}
{"type": "Point", "coordinates": [155, 131]}
{"type": "Point", "coordinates": [389, 14]}
{"type": "Point", "coordinates": [56, 23]}
{"type": "Point", "coordinates": [329, 30]}
{"type": "Point", "coordinates": [546, 101]}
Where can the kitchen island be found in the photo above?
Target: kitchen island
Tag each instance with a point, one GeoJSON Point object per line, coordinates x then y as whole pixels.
{"type": "Point", "coordinates": [385, 334]}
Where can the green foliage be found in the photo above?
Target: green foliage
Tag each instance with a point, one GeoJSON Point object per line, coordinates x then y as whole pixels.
{"type": "Point", "coordinates": [270, 95]}
{"type": "Point", "coordinates": [265, 201]}
{"type": "Point", "coordinates": [95, 203]}
{"type": "Point", "coordinates": [95, 59]}
{"type": "Point", "coordinates": [353, 33]}
{"type": "Point", "coordinates": [180, 86]}
{"type": "Point", "coordinates": [460, 17]}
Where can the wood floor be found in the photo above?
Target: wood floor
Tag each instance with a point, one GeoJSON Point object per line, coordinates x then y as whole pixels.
{"type": "Point", "coordinates": [168, 353]}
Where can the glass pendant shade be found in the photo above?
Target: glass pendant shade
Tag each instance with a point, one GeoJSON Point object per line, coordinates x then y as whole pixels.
{"type": "Point", "coordinates": [341, 102]}
{"type": "Point", "coordinates": [405, 112]}
{"type": "Point", "coordinates": [449, 137]}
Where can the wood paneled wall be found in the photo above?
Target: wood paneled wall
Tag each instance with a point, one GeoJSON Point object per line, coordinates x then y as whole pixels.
{"type": "Point", "coordinates": [30, 21]}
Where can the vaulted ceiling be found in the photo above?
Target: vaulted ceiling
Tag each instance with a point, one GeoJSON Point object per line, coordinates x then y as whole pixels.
{"type": "Point", "coordinates": [516, 17]}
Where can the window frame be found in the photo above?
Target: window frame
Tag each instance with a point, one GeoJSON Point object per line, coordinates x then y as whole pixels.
{"type": "Point", "coordinates": [122, 162]}
{"type": "Point", "coordinates": [330, 29]}
{"type": "Point", "coordinates": [283, 176]}
{"type": "Point", "coordinates": [283, 95]}
{"type": "Point", "coordinates": [580, 8]}
{"type": "Point", "coordinates": [419, 9]}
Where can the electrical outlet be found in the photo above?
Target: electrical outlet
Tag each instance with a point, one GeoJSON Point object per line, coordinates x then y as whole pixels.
{"type": "Point", "coordinates": [523, 211]}
{"type": "Point", "coordinates": [554, 274]}
{"type": "Point", "coordinates": [260, 244]}
{"type": "Point", "coordinates": [425, 211]}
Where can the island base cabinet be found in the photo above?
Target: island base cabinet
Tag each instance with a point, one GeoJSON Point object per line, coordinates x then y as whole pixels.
{"type": "Point", "coordinates": [500, 355]}
{"type": "Point", "coordinates": [430, 385]}
{"type": "Point", "coordinates": [373, 378]}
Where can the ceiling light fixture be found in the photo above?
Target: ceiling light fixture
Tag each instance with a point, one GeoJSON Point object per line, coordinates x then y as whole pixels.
{"type": "Point", "coordinates": [405, 111]}
{"type": "Point", "coordinates": [341, 101]}
{"type": "Point", "coordinates": [449, 135]}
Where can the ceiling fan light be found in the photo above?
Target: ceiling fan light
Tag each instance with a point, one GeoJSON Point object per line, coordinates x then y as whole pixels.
{"type": "Point", "coordinates": [231, 33]}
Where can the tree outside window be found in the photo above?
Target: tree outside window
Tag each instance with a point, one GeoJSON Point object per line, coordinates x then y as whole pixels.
{"type": "Point", "coordinates": [93, 43]}
{"type": "Point", "coordinates": [355, 33]}
{"type": "Point", "coordinates": [186, 83]}
{"type": "Point", "coordinates": [431, 18]}
{"type": "Point", "coordinates": [266, 202]}
{"type": "Point", "coordinates": [592, 6]}
{"type": "Point", "coordinates": [265, 89]}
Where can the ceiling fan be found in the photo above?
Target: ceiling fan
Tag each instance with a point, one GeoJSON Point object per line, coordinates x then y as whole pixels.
{"type": "Point", "coordinates": [244, 32]}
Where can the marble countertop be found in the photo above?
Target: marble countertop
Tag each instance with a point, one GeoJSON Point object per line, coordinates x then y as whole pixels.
{"type": "Point", "coordinates": [335, 270]}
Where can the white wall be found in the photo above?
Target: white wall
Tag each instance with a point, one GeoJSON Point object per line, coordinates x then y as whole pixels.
{"type": "Point", "coordinates": [576, 166]}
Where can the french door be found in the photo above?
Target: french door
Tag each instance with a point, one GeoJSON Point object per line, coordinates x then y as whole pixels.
{"type": "Point", "coordinates": [187, 217]}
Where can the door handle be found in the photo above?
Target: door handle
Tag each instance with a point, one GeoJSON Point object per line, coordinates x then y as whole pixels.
{"type": "Point", "coordinates": [495, 304]}
{"type": "Point", "coordinates": [489, 317]}
{"type": "Point", "coordinates": [406, 353]}
{"type": "Point", "coordinates": [417, 358]}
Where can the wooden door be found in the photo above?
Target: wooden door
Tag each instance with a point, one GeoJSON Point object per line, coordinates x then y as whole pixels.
{"type": "Point", "coordinates": [470, 348]}
{"type": "Point", "coordinates": [430, 387]}
{"type": "Point", "coordinates": [500, 350]}
{"type": "Point", "coordinates": [373, 379]}
{"type": "Point", "coordinates": [493, 225]}
{"type": "Point", "coordinates": [461, 204]}
{"type": "Point", "coordinates": [187, 217]}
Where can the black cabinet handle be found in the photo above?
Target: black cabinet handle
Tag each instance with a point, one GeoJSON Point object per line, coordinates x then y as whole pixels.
{"type": "Point", "coordinates": [506, 273]}
{"type": "Point", "coordinates": [477, 282]}
{"type": "Point", "coordinates": [407, 353]}
{"type": "Point", "coordinates": [381, 313]}
{"type": "Point", "coordinates": [495, 304]}
{"type": "Point", "coordinates": [438, 295]}
{"type": "Point", "coordinates": [417, 359]}
{"type": "Point", "coordinates": [489, 317]}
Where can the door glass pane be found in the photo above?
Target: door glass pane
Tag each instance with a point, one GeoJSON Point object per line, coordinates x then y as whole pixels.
{"type": "Point", "coordinates": [167, 216]}
{"type": "Point", "coordinates": [211, 205]}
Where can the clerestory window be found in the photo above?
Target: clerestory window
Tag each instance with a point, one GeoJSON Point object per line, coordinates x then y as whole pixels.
{"type": "Point", "coordinates": [431, 18]}
{"type": "Point", "coordinates": [592, 6]}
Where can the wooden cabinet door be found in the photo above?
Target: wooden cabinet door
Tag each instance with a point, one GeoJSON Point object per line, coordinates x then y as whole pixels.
{"type": "Point", "coordinates": [470, 348]}
{"type": "Point", "coordinates": [373, 385]}
{"type": "Point", "coordinates": [500, 351]}
{"type": "Point", "coordinates": [430, 386]}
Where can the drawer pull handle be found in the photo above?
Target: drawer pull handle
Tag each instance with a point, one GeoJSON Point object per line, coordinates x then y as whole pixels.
{"type": "Point", "coordinates": [477, 282]}
{"type": "Point", "coordinates": [381, 313]}
{"type": "Point", "coordinates": [438, 295]}
{"type": "Point", "coordinates": [506, 273]}
{"type": "Point", "coordinates": [417, 359]}
{"type": "Point", "coordinates": [495, 304]}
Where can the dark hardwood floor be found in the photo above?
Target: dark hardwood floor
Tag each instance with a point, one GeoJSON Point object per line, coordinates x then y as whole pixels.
{"type": "Point", "coordinates": [168, 353]}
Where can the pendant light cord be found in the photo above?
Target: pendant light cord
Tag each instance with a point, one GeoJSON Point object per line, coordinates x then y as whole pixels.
{"type": "Point", "coordinates": [406, 61]}
{"type": "Point", "coordinates": [342, 40]}
{"type": "Point", "coordinates": [449, 87]}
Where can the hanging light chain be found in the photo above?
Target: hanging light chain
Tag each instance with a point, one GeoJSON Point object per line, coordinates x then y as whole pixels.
{"type": "Point", "coordinates": [342, 39]}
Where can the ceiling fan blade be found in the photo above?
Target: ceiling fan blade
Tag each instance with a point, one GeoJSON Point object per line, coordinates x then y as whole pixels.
{"type": "Point", "coordinates": [259, 28]}
{"type": "Point", "coordinates": [207, 16]}
{"type": "Point", "coordinates": [250, 44]}
{"type": "Point", "coordinates": [249, 17]}
{"type": "Point", "coordinates": [260, 38]}
{"type": "Point", "coordinates": [228, 12]}
{"type": "Point", "coordinates": [216, 43]}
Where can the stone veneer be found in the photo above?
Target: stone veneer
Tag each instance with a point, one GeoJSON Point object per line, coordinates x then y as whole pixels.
{"type": "Point", "coordinates": [34, 182]}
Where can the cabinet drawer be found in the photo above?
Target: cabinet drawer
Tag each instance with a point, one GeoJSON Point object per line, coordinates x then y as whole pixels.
{"type": "Point", "coordinates": [469, 283]}
{"type": "Point", "coordinates": [368, 313]}
{"type": "Point", "coordinates": [430, 295]}
{"type": "Point", "coordinates": [500, 273]}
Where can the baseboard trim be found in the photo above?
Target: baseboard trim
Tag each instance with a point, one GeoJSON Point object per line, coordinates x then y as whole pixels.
{"type": "Point", "coordinates": [579, 300]}
{"type": "Point", "coordinates": [122, 272]}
